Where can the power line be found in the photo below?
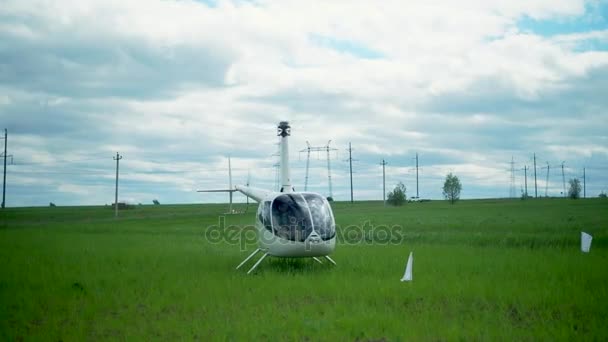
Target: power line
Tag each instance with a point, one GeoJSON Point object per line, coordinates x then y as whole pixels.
{"type": "Point", "coordinates": [104, 171]}
{"type": "Point", "coordinates": [59, 162]}
{"type": "Point", "coordinates": [478, 174]}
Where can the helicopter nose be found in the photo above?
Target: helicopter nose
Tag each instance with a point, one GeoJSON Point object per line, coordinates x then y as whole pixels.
{"type": "Point", "coordinates": [314, 238]}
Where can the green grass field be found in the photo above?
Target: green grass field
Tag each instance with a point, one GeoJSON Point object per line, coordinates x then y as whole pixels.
{"type": "Point", "coordinates": [483, 270]}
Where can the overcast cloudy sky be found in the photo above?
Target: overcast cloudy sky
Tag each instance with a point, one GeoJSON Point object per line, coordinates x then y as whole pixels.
{"type": "Point", "coordinates": [177, 86]}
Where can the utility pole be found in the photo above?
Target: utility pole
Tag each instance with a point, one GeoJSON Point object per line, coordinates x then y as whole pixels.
{"type": "Point", "coordinates": [526, 180]}
{"type": "Point", "coordinates": [383, 181]}
{"type": "Point", "coordinates": [417, 194]}
{"type": "Point", "coordinates": [350, 160]}
{"type": "Point", "coordinates": [547, 182]}
{"type": "Point", "coordinates": [535, 187]}
{"type": "Point", "coordinates": [4, 177]}
{"type": "Point", "coordinates": [512, 186]}
{"type": "Point", "coordinates": [563, 180]}
{"type": "Point", "coordinates": [584, 184]}
{"type": "Point", "coordinates": [117, 158]}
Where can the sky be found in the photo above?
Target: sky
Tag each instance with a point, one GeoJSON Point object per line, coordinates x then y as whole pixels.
{"type": "Point", "coordinates": [175, 87]}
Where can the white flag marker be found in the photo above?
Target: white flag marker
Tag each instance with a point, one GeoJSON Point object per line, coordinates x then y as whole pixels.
{"type": "Point", "coordinates": [408, 268]}
{"type": "Point", "coordinates": [585, 242]}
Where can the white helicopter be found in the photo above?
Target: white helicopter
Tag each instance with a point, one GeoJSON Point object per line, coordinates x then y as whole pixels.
{"type": "Point", "coordinates": [289, 223]}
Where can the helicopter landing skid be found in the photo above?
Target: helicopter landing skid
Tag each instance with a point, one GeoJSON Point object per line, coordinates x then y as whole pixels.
{"type": "Point", "coordinates": [331, 260]}
{"type": "Point", "coordinates": [326, 257]}
{"type": "Point", "coordinates": [251, 256]}
{"type": "Point", "coordinates": [247, 259]}
{"type": "Point", "coordinates": [266, 254]}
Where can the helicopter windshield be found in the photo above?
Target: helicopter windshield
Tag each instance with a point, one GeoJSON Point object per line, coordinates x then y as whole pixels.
{"type": "Point", "coordinates": [295, 216]}
{"type": "Point", "coordinates": [322, 218]}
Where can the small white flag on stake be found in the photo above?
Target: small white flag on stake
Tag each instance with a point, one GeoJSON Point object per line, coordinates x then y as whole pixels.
{"type": "Point", "coordinates": [585, 242]}
{"type": "Point", "coordinates": [408, 268]}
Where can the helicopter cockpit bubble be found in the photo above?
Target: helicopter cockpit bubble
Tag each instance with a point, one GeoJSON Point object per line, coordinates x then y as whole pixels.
{"type": "Point", "coordinates": [296, 215]}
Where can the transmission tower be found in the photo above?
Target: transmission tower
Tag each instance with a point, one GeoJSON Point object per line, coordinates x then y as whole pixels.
{"type": "Point", "coordinates": [512, 186]}
{"type": "Point", "coordinates": [326, 149]}
{"type": "Point", "coordinates": [307, 165]}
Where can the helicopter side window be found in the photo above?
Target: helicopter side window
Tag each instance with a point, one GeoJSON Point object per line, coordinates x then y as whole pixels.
{"type": "Point", "coordinates": [264, 215]}
{"type": "Point", "coordinates": [321, 216]}
{"type": "Point", "coordinates": [291, 218]}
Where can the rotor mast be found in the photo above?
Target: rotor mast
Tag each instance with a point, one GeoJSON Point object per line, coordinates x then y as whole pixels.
{"type": "Point", "coordinates": [284, 131]}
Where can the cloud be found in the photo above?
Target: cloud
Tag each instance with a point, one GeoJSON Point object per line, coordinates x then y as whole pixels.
{"type": "Point", "coordinates": [177, 86]}
{"type": "Point", "coordinates": [86, 53]}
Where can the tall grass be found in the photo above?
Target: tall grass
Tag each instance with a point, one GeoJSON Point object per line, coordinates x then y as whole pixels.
{"type": "Point", "coordinates": [483, 270]}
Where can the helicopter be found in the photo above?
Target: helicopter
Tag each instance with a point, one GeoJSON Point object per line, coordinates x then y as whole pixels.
{"type": "Point", "coordinates": [289, 224]}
